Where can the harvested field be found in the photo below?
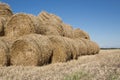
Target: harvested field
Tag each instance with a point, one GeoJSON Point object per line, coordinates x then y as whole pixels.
{"type": "Point", "coordinates": [102, 66]}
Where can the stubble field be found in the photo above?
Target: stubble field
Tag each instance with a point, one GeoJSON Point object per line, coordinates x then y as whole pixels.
{"type": "Point", "coordinates": [102, 66]}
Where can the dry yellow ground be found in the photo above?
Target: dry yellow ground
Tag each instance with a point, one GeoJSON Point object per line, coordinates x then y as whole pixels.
{"type": "Point", "coordinates": [103, 66]}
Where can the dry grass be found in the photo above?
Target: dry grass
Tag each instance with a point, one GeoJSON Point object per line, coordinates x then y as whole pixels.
{"type": "Point", "coordinates": [102, 66]}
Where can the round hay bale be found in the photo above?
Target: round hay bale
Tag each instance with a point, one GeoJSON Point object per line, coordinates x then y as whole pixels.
{"type": "Point", "coordinates": [81, 47]}
{"type": "Point", "coordinates": [54, 21]}
{"type": "Point", "coordinates": [67, 31]}
{"type": "Point", "coordinates": [5, 10]}
{"type": "Point", "coordinates": [4, 53]}
{"type": "Point", "coordinates": [31, 50]}
{"type": "Point", "coordinates": [71, 46]}
{"type": "Point", "coordinates": [24, 52]}
{"type": "Point", "coordinates": [45, 17]}
{"type": "Point", "coordinates": [50, 21]}
{"type": "Point", "coordinates": [97, 48]}
{"type": "Point", "coordinates": [81, 34]}
{"type": "Point", "coordinates": [48, 30]}
{"type": "Point", "coordinates": [88, 45]}
{"type": "Point", "coordinates": [5, 14]}
{"type": "Point", "coordinates": [92, 47]}
{"type": "Point", "coordinates": [56, 18]}
{"type": "Point", "coordinates": [63, 49]}
{"type": "Point", "coordinates": [4, 6]}
{"type": "Point", "coordinates": [59, 50]}
{"type": "Point", "coordinates": [21, 24]}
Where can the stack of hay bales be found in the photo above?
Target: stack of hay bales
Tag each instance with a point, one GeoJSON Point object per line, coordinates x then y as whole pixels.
{"type": "Point", "coordinates": [5, 14]}
{"type": "Point", "coordinates": [51, 24]}
{"type": "Point", "coordinates": [54, 24]}
{"type": "Point", "coordinates": [36, 49]}
{"type": "Point", "coordinates": [38, 40]}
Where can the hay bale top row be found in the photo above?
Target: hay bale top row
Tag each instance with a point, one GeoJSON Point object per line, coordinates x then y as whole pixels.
{"type": "Point", "coordinates": [5, 14]}
{"type": "Point", "coordinates": [4, 6]}
{"type": "Point", "coordinates": [78, 33]}
{"type": "Point", "coordinates": [5, 9]}
{"type": "Point", "coordinates": [46, 17]}
{"type": "Point", "coordinates": [21, 24]}
{"type": "Point", "coordinates": [46, 24]}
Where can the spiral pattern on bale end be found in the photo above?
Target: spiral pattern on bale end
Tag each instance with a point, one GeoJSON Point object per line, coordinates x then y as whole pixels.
{"type": "Point", "coordinates": [31, 50]}
{"type": "Point", "coordinates": [21, 24]}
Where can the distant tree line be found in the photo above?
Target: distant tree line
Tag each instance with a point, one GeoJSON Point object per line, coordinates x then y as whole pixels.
{"type": "Point", "coordinates": [108, 48]}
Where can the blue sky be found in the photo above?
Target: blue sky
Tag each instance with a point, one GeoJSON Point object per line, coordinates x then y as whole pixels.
{"type": "Point", "coordinates": [100, 18]}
